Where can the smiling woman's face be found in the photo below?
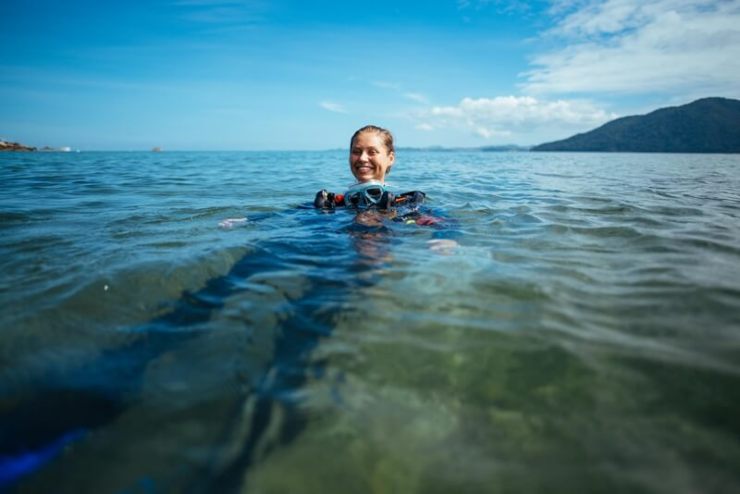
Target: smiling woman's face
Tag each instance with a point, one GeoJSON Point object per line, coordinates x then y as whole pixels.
{"type": "Point", "coordinates": [369, 158]}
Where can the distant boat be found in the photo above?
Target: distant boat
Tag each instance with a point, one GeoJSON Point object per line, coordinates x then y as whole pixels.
{"type": "Point", "coordinates": [156, 149]}
{"type": "Point", "coordinates": [65, 149]}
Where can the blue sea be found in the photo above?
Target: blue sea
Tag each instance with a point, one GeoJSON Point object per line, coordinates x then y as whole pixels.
{"type": "Point", "coordinates": [570, 324]}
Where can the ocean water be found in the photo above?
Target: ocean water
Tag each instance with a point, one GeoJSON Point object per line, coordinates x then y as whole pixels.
{"type": "Point", "coordinates": [571, 325]}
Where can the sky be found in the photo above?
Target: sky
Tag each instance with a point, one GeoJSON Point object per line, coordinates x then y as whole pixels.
{"type": "Point", "coordinates": [297, 75]}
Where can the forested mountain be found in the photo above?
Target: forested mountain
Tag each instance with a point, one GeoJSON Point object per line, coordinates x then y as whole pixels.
{"type": "Point", "coordinates": [709, 125]}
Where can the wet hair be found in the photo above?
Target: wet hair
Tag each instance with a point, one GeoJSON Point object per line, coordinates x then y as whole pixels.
{"type": "Point", "coordinates": [384, 134]}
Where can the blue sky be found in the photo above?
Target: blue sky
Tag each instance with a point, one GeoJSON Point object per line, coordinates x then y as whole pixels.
{"type": "Point", "coordinates": [243, 75]}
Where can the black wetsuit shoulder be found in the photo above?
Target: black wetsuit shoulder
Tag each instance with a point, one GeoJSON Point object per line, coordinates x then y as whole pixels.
{"type": "Point", "coordinates": [329, 200]}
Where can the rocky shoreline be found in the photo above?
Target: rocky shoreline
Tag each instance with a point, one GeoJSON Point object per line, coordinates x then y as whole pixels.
{"type": "Point", "coordinates": [15, 146]}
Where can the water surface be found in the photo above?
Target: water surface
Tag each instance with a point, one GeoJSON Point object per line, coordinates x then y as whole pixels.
{"type": "Point", "coordinates": [583, 336]}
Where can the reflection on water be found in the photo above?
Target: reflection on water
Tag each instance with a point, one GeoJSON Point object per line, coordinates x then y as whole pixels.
{"type": "Point", "coordinates": [582, 337]}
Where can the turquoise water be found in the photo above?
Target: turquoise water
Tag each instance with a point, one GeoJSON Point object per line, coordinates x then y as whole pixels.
{"type": "Point", "coordinates": [583, 335]}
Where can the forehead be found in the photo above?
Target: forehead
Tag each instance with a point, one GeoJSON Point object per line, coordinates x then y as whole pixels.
{"type": "Point", "coordinates": [369, 139]}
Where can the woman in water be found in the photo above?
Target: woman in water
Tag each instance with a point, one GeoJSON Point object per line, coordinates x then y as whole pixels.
{"type": "Point", "coordinates": [371, 157]}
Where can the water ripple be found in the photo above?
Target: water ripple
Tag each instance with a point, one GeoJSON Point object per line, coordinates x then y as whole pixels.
{"type": "Point", "coordinates": [588, 315]}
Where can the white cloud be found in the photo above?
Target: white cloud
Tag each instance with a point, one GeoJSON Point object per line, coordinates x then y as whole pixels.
{"type": "Point", "coordinates": [487, 133]}
{"type": "Point", "coordinates": [425, 127]}
{"type": "Point", "coordinates": [207, 3]}
{"type": "Point", "coordinates": [419, 98]}
{"type": "Point", "coordinates": [501, 6]}
{"type": "Point", "coordinates": [223, 16]}
{"type": "Point", "coordinates": [396, 87]}
{"type": "Point", "coordinates": [332, 107]}
{"type": "Point", "coordinates": [509, 116]}
{"type": "Point", "coordinates": [631, 46]}
{"type": "Point", "coordinates": [387, 85]}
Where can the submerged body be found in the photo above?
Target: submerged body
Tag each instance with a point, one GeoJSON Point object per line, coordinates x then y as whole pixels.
{"type": "Point", "coordinates": [589, 322]}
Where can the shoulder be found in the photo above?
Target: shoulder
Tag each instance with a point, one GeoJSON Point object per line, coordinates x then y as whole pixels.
{"type": "Point", "coordinates": [409, 198]}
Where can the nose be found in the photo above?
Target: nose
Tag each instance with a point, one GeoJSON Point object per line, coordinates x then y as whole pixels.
{"type": "Point", "coordinates": [364, 156]}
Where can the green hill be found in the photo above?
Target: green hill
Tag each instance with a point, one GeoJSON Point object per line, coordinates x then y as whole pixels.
{"type": "Point", "coordinates": [709, 125]}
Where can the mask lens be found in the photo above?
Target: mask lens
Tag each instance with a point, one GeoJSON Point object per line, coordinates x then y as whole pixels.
{"type": "Point", "coordinates": [364, 195]}
{"type": "Point", "coordinates": [374, 193]}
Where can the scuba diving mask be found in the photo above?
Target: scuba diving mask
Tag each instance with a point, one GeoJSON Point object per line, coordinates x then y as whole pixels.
{"type": "Point", "coordinates": [367, 194]}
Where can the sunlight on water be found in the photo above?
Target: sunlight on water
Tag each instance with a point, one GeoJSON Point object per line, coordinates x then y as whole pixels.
{"type": "Point", "coordinates": [583, 334]}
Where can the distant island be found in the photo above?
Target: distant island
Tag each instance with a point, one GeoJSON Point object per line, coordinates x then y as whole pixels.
{"type": "Point", "coordinates": [14, 146]}
{"type": "Point", "coordinates": [442, 149]}
{"type": "Point", "coordinates": [709, 125]}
